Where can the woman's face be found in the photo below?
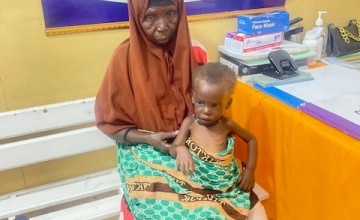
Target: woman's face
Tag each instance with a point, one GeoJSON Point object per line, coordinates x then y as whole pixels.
{"type": "Point", "coordinates": [160, 23]}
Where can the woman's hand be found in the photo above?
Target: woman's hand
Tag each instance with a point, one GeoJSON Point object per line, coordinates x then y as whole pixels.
{"type": "Point", "coordinates": [162, 140]}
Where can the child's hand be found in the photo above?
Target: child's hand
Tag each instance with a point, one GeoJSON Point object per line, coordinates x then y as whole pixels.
{"type": "Point", "coordinates": [184, 161]}
{"type": "Point", "coordinates": [247, 180]}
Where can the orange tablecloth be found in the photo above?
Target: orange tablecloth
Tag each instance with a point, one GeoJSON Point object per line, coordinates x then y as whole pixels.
{"type": "Point", "coordinates": [311, 170]}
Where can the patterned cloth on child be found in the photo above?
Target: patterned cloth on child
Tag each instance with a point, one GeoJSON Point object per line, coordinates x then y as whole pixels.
{"type": "Point", "coordinates": [154, 188]}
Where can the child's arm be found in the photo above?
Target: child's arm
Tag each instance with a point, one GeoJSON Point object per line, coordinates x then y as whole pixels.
{"type": "Point", "coordinates": [247, 177]}
{"type": "Point", "coordinates": [178, 150]}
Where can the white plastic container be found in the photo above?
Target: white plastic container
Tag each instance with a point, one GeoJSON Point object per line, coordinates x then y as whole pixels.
{"type": "Point", "coordinates": [311, 41]}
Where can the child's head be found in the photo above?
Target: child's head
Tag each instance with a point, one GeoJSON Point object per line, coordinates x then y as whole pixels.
{"type": "Point", "coordinates": [212, 86]}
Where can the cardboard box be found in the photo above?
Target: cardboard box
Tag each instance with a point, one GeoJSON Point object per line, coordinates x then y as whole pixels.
{"type": "Point", "coordinates": [271, 22]}
{"type": "Point", "coordinates": [240, 43]}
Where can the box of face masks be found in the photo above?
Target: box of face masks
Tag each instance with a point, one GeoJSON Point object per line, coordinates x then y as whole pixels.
{"type": "Point", "coordinates": [271, 22]}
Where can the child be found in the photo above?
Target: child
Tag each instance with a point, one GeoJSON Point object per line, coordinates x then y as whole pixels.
{"type": "Point", "coordinates": [212, 86]}
{"type": "Point", "coordinates": [204, 142]}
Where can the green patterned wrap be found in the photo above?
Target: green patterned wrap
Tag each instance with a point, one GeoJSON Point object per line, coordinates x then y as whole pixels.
{"type": "Point", "coordinates": [155, 189]}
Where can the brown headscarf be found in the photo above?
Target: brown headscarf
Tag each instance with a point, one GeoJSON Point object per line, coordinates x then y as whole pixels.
{"type": "Point", "coordinates": [147, 86]}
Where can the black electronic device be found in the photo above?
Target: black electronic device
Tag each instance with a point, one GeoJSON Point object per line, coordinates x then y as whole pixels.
{"type": "Point", "coordinates": [243, 68]}
{"type": "Point", "coordinates": [282, 65]}
{"type": "Point", "coordinates": [294, 29]}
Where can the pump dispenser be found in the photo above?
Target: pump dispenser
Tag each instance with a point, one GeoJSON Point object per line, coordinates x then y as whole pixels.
{"type": "Point", "coordinates": [318, 32]}
{"type": "Point", "coordinates": [319, 21]}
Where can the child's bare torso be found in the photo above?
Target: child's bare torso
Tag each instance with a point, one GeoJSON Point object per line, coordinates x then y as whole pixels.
{"type": "Point", "coordinates": [211, 139]}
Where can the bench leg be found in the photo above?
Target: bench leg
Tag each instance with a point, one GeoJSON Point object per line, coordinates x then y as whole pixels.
{"type": "Point", "coordinates": [258, 212]}
{"type": "Point", "coordinates": [125, 211]}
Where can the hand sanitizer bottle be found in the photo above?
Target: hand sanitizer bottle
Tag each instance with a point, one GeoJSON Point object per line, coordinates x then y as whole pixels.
{"type": "Point", "coordinates": [319, 32]}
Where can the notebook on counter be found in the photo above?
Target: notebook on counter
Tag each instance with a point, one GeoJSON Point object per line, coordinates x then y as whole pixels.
{"type": "Point", "coordinates": [266, 81]}
{"type": "Point", "coordinates": [333, 96]}
{"type": "Point", "coordinates": [281, 95]}
{"type": "Point", "coordinates": [341, 112]}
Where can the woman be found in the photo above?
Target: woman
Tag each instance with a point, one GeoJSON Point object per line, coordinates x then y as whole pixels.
{"type": "Point", "coordinates": [143, 99]}
{"type": "Point", "coordinates": [147, 82]}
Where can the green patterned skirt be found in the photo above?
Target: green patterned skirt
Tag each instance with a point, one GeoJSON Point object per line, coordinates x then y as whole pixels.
{"type": "Point", "coordinates": [154, 189]}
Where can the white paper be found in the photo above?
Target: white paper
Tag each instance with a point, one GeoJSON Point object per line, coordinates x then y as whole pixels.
{"type": "Point", "coordinates": [347, 106]}
{"type": "Point", "coordinates": [334, 88]}
{"type": "Point", "coordinates": [329, 82]}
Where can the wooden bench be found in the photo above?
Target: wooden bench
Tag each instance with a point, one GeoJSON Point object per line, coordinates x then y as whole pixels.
{"type": "Point", "coordinates": [39, 134]}
{"type": "Point", "coordinates": [34, 135]}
